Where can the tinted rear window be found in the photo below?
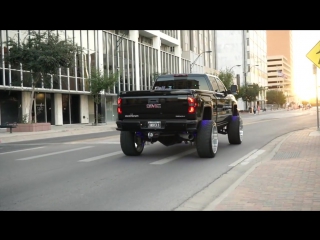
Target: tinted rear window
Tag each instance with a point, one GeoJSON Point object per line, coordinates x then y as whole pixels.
{"type": "Point", "coordinates": [188, 82]}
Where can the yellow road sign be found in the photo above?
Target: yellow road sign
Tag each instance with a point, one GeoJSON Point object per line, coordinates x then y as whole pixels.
{"type": "Point", "coordinates": [314, 54]}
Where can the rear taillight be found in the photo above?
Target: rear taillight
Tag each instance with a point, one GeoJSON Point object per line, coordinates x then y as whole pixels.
{"type": "Point", "coordinates": [192, 104]}
{"type": "Point", "coordinates": [119, 106]}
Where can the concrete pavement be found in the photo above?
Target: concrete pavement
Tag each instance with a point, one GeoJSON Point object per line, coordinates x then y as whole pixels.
{"type": "Point", "coordinates": [288, 179]}
{"type": "Point", "coordinates": [57, 131]}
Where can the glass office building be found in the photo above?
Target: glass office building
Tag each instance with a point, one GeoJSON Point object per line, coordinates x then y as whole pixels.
{"type": "Point", "coordinates": [138, 55]}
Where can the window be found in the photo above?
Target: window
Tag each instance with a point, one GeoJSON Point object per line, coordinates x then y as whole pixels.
{"type": "Point", "coordinates": [248, 54]}
{"type": "Point", "coordinates": [221, 86]}
{"type": "Point", "coordinates": [184, 82]}
{"type": "Point", "coordinates": [213, 83]}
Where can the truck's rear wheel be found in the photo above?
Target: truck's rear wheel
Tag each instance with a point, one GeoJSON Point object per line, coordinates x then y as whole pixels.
{"type": "Point", "coordinates": [131, 144]}
{"type": "Point", "coordinates": [235, 130]}
{"type": "Point", "coordinates": [207, 139]}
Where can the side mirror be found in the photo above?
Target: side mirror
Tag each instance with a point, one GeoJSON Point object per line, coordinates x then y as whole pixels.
{"type": "Point", "coordinates": [234, 89]}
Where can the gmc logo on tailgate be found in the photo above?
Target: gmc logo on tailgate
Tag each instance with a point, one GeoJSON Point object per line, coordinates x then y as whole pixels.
{"type": "Point", "coordinates": [153, 105]}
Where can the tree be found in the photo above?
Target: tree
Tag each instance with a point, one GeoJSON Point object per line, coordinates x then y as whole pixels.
{"type": "Point", "coordinates": [100, 81]}
{"type": "Point", "coordinates": [41, 53]}
{"type": "Point", "coordinates": [276, 97]}
{"type": "Point", "coordinates": [249, 93]}
{"type": "Point", "coordinates": [226, 77]}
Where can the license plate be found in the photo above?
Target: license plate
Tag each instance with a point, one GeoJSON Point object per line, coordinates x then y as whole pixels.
{"type": "Point", "coordinates": [154, 124]}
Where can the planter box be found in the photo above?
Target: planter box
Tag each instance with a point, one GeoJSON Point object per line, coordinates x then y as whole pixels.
{"type": "Point", "coordinates": [31, 127]}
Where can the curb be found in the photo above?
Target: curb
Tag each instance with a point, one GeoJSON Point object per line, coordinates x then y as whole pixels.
{"type": "Point", "coordinates": [45, 135]}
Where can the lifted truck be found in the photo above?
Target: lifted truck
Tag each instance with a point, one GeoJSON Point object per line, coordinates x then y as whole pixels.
{"type": "Point", "coordinates": [179, 108]}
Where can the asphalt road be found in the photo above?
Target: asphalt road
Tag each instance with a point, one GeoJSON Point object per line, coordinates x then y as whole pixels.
{"type": "Point", "coordinates": [90, 172]}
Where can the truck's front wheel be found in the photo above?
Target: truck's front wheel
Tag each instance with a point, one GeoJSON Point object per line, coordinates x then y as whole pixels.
{"type": "Point", "coordinates": [235, 130]}
{"type": "Point", "coordinates": [207, 139]}
{"type": "Point", "coordinates": [131, 144]}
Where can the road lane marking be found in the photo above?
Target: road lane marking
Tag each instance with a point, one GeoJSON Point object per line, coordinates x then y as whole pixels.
{"type": "Point", "coordinates": [100, 157]}
{"type": "Point", "coordinates": [174, 157]}
{"type": "Point", "coordinates": [243, 158]}
{"type": "Point", "coordinates": [54, 153]}
{"type": "Point", "coordinates": [21, 150]}
{"type": "Point", "coordinates": [253, 156]}
{"type": "Point", "coordinates": [74, 143]}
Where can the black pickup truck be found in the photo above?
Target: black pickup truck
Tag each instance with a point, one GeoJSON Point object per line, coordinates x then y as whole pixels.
{"type": "Point", "coordinates": [179, 108]}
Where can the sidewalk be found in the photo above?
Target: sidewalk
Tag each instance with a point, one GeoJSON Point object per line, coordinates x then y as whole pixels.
{"type": "Point", "coordinates": [56, 131]}
{"type": "Point", "coordinates": [288, 180]}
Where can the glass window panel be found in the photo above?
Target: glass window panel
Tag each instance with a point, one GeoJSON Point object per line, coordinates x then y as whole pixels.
{"type": "Point", "coordinates": [1, 77]}
{"type": "Point", "coordinates": [47, 83]}
{"type": "Point", "coordinates": [77, 37]}
{"type": "Point", "coordinates": [72, 83]}
{"type": "Point", "coordinates": [84, 38]}
{"type": "Point", "coordinates": [110, 53]}
{"type": "Point", "coordinates": [40, 107]}
{"type": "Point", "coordinates": [26, 79]}
{"type": "Point", "coordinates": [80, 85]}
{"type": "Point", "coordinates": [85, 65]}
{"type": "Point", "coordinates": [64, 71]}
{"type": "Point", "coordinates": [121, 71]}
{"type": "Point", "coordinates": [64, 82]}
{"type": "Point", "coordinates": [133, 67]}
{"type": "Point", "coordinates": [15, 78]}
{"type": "Point", "coordinates": [23, 34]}
{"type": "Point", "coordinates": [91, 34]}
{"type": "Point", "coordinates": [86, 85]}
{"type": "Point", "coordinates": [92, 59]}
{"type": "Point", "coordinates": [69, 34]}
{"type": "Point", "coordinates": [56, 82]}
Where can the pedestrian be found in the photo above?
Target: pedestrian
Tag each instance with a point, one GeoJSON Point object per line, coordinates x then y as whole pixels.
{"type": "Point", "coordinates": [254, 110]}
{"type": "Point", "coordinates": [258, 109]}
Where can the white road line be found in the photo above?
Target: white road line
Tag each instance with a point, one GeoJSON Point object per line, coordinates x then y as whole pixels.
{"type": "Point", "coordinates": [93, 143]}
{"type": "Point", "coordinates": [243, 158]}
{"type": "Point", "coordinates": [21, 150]}
{"type": "Point", "coordinates": [174, 157]}
{"type": "Point", "coordinates": [54, 153]}
{"type": "Point", "coordinates": [253, 156]}
{"type": "Point", "coordinates": [100, 157]}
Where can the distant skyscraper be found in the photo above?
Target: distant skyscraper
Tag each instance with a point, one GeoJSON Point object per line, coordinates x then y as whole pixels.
{"type": "Point", "coordinates": [279, 54]}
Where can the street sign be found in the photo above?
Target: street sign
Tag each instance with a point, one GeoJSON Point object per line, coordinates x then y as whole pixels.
{"type": "Point", "coordinates": [314, 55]}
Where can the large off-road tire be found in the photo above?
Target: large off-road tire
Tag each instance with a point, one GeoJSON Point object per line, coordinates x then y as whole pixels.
{"type": "Point", "coordinates": [235, 130]}
{"type": "Point", "coordinates": [131, 144]}
{"type": "Point", "coordinates": [207, 139]}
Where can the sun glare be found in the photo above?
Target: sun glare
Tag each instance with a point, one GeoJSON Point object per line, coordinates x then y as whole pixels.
{"type": "Point", "coordinates": [305, 91]}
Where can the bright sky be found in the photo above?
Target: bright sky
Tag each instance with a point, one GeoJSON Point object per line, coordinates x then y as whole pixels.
{"type": "Point", "coordinates": [304, 80]}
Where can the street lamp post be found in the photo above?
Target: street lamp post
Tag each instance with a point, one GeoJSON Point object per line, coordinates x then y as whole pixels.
{"type": "Point", "coordinates": [191, 65]}
{"type": "Point", "coordinates": [235, 66]}
{"type": "Point", "coordinates": [245, 80]}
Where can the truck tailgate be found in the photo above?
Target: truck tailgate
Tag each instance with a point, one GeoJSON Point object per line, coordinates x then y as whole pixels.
{"type": "Point", "coordinates": [154, 105]}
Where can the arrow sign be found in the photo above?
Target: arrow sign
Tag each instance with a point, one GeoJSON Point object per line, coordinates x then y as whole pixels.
{"type": "Point", "coordinates": [314, 55]}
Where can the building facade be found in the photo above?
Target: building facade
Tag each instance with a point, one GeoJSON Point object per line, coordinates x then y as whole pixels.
{"type": "Point", "coordinates": [247, 48]}
{"type": "Point", "coordinates": [138, 55]}
{"type": "Point", "coordinates": [280, 57]}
